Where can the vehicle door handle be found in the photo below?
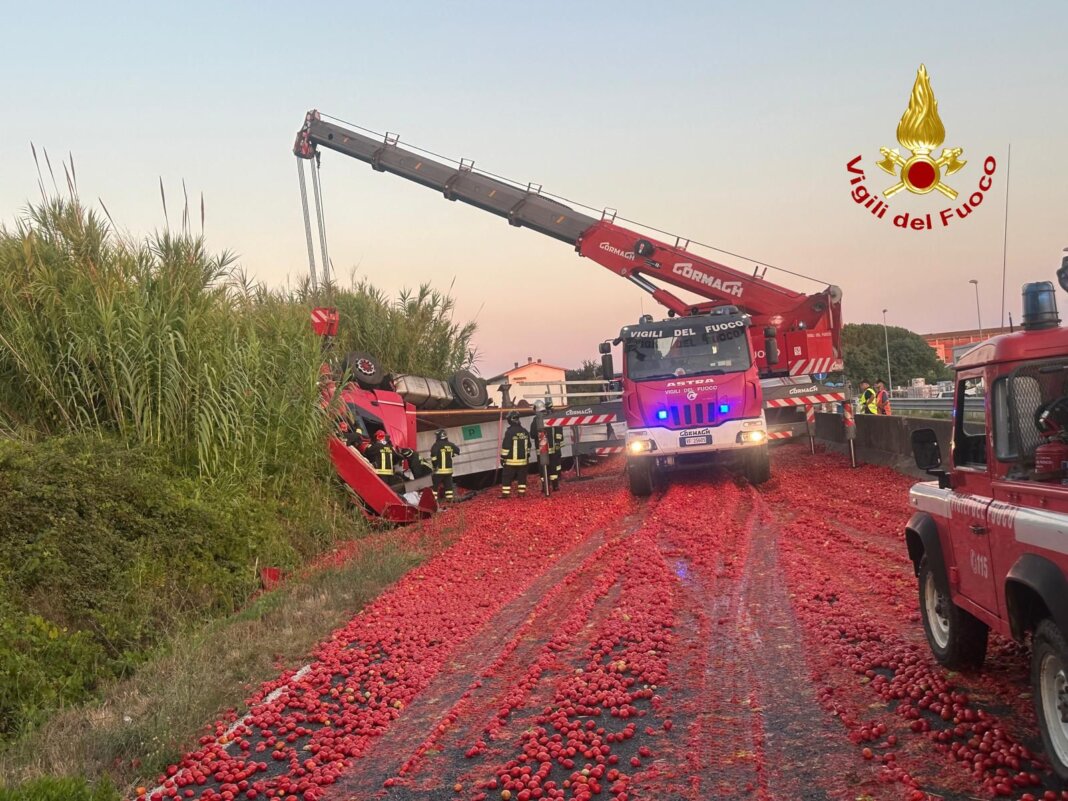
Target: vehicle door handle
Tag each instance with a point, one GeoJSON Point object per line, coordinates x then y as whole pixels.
{"type": "Point", "coordinates": [977, 528]}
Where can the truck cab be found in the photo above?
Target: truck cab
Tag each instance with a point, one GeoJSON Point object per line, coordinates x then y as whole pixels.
{"type": "Point", "coordinates": [691, 395]}
{"type": "Point", "coordinates": [989, 536]}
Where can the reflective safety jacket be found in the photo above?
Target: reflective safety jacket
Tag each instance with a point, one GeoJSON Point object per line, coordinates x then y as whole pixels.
{"type": "Point", "coordinates": [441, 455]}
{"type": "Point", "coordinates": [554, 435]}
{"type": "Point", "coordinates": [867, 402]}
{"type": "Point", "coordinates": [515, 447]}
{"type": "Point", "coordinates": [380, 455]}
{"type": "Point", "coordinates": [882, 402]}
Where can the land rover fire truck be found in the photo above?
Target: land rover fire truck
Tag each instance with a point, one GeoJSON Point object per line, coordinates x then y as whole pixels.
{"type": "Point", "coordinates": [989, 537]}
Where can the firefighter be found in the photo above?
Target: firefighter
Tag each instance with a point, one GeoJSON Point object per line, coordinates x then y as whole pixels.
{"type": "Point", "coordinates": [441, 456]}
{"type": "Point", "coordinates": [352, 431]}
{"type": "Point", "coordinates": [555, 437]}
{"type": "Point", "coordinates": [866, 402]}
{"type": "Point", "coordinates": [882, 398]}
{"type": "Point", "coordinates": [381, 456]}
{"type": "Point", "coordinates": [515, 451]}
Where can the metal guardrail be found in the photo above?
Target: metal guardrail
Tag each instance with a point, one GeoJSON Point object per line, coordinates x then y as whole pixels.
{"type": "Point", "coordinates": [934, 404]}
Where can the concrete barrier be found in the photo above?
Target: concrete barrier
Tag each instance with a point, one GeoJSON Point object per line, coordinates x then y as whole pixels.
{"type": "Point", "coordinates": [883, 440]}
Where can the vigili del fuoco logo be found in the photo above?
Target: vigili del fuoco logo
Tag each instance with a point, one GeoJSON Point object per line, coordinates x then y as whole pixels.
{"type": "Point", "coordinates": [919, 172]}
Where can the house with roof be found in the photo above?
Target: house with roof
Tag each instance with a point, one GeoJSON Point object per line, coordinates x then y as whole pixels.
{"type": "Point", "coordinates": [526, 383]}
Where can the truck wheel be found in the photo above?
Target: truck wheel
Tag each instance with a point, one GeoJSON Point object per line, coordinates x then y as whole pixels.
{"type": "Point", "coordinates": [642, 476]}
{"type": "Point", "coordinates": [363, 369]}
{"type": "Point", "coordinates": [758, 465]}
{"type": "Point", "coordinates": [1049, 683]}
{"type": "Point", "coordinates": [957, 639]}
{"type": "Point", "coordinates": [469, 390]}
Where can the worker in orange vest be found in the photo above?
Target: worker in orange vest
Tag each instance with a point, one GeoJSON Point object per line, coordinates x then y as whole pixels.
{"type": "Point", "coordinates": [882, 398]}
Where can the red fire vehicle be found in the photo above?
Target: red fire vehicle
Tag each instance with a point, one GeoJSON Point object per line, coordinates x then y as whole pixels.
{"type": "Point", "coordinates": [989, 538]}
{"type": "Point", "coordinates": [706, 399]}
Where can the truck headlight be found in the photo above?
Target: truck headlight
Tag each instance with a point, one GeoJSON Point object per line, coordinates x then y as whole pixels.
{"type": "Point", "coordinates": [639, 446]}
{"type": "Point", "coordinates": [752, 436]}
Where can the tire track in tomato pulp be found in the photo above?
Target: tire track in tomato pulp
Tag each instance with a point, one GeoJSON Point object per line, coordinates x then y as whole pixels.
{"type": "Point", "coordinates": [928, 727]}
{"type": "Point", "coordinates": [299, 742]}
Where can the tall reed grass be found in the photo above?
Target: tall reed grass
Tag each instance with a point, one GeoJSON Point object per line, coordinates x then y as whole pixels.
{"type": "Point", "coordinates": [416, 333]}
{"type": "Point", "coordinates": [166, 344]}
{"type": "Point", "coordinates": [155, 341]}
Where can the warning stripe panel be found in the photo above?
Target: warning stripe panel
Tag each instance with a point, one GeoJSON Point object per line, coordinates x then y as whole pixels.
{"type": "Point", "coordinates": [806, 366]}
{"type": "Point", "coordinates": [608, 451]}
{"type": "Point", "coordinates": [780, 434]}
{"type": "Point", "coordinates": [582, 420]}
{"type": "Point", "coordinates": [803, 400]}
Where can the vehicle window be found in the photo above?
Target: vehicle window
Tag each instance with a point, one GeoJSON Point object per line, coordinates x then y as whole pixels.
{"type": "Point", "coordinates": [697, 353]}
{"type": "Point", "coordinates": [1037, 396]}
{"type": "Point", "coordinates": [1004, 439]}
{"type": "Point", "coordinates": [969, 431]}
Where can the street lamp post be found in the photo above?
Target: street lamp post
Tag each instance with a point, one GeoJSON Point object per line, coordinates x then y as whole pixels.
{"type": "Point", "coordinates": [886, 339]}
{"type": "Point", "coordinates": [978, 314]}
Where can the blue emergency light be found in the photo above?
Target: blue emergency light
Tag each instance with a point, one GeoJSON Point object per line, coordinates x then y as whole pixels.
{"type": "Point", "coordinates": [724, 408]}
{"type": "Point", "coordinates": [661, 414]}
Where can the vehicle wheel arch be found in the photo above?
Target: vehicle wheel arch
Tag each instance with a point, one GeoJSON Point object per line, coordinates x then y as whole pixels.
{"type": "Point", "coordinates": [1035, 588]}
{"type": "Point", "coordinates": [921, 539]}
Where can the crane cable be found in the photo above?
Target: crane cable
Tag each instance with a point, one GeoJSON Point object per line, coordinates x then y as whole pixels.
{"type": "Point", "coordinates": [595, 210]}
{"type": "Point", "coordinates": [317, 193]}
{"type": "Point", "coordinates": [307, 223]}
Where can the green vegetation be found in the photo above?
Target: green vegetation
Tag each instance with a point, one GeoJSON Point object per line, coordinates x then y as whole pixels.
{"type": "Point", "coordinates": [161, 439]}
{"type": "Point", "coordinates": [864, 348]}
{"type": "Point", "coordinates": [67, 789]}
{"type": "Point", "coordinates": [143, 723]}
{"type": "Point", "coordinates": [414, 334]}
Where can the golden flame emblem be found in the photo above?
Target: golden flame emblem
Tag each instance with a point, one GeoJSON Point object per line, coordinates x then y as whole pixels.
{"type": "Point", "coordinates": [921, 131]}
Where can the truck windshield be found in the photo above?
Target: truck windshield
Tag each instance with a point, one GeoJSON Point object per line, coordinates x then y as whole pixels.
{"type": "Point", "coordinates": [691, 351]}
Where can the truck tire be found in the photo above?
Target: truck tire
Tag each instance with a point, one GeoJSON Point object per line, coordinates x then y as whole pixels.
{"type": "Point", "coordinates": [1049, 683]}
{"type": "Point", "coordinates": [642, 475]}
{"type": "Point", "coordinates": [956, 638]}
{"type": "Point", "coordinates": [363, 369]}
{"type": "Point", "coordinates": [758, 465]}
{"type": "Point", "coordinates": [469, 390]}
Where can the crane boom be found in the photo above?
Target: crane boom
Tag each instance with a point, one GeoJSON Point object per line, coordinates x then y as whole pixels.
{"type": "Point", "coordinates": [807, 327]}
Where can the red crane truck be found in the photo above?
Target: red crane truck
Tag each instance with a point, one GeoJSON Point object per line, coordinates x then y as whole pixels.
{"type": "Point", "coordinates": [989, 537]}
{"type": "Point", "coordinates": [695, 386]}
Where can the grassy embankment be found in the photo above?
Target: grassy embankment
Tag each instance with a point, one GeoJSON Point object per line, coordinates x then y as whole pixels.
{"type": "Point", "coordinates": [160, 441]}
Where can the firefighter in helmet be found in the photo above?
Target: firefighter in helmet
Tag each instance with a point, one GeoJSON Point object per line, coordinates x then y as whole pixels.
{"type": "Point", "coordinates": [441, 456]}
{"type": "Point", "coordinates": [554, 436]}
{"type": "Point", "coordinates": [515, 452]}
{"type": "Point", "coordinates": [381, 456]}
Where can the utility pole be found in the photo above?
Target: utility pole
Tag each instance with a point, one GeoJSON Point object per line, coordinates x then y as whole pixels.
{"type": "Point", "coordinates": [978, 314]}
{"type": "Point", "coordinates": [886, 339]}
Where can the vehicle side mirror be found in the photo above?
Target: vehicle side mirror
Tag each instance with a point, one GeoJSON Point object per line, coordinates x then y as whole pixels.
{"type": "Point", "coordinates": [925, 449]}
{"type": "Point", "coordinates": [604, 348]}
{"type": "Point", "coordinates": [607, 368]}
{"type": "Point", "coordinates": [771, 347]}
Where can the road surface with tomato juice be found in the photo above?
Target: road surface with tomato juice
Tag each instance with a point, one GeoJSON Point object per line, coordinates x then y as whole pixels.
{"type": "Point", "coordinates": [714, 641]}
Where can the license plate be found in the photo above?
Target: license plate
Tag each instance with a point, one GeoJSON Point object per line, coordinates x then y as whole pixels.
{"type": "Point", "coordinates": [704, 439]}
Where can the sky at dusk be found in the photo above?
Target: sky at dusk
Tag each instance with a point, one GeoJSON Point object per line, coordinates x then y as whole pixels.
{"type": "Point", "coordinates": [730, 124]}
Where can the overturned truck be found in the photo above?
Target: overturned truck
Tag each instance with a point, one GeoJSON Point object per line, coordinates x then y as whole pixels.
{"type": "Point", "coordinates": [410, 409]}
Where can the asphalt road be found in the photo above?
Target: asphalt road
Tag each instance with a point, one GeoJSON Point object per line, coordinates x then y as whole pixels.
{"type": "Point", "coordinates": [715, 641]}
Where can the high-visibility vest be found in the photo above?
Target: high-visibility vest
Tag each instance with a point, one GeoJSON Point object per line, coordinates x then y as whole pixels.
{"type": "Point", "coordinates": [867, 402]}
{"type": "Point", "coordinates": [441, 455]}
{"type": "Point", "coordinates": [515, 448]}
{"type": "Point", "coordinates": [882, 402]}
{"type": "Point", "coordinates": [381, 458]}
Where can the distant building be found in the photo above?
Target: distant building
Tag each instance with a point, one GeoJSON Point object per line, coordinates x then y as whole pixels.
{"type": "Point", "coordinates": [528, 383]}
{"type": "Point", "coordinates": [954, 342]}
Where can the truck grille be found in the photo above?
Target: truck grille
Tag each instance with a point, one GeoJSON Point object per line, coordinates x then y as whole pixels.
{"type": "Point", "coordinates": [694, 414]}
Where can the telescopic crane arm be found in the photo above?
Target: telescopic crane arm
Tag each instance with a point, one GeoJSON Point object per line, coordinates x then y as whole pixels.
{"type": "Point", "coordinates": [620, 250]}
